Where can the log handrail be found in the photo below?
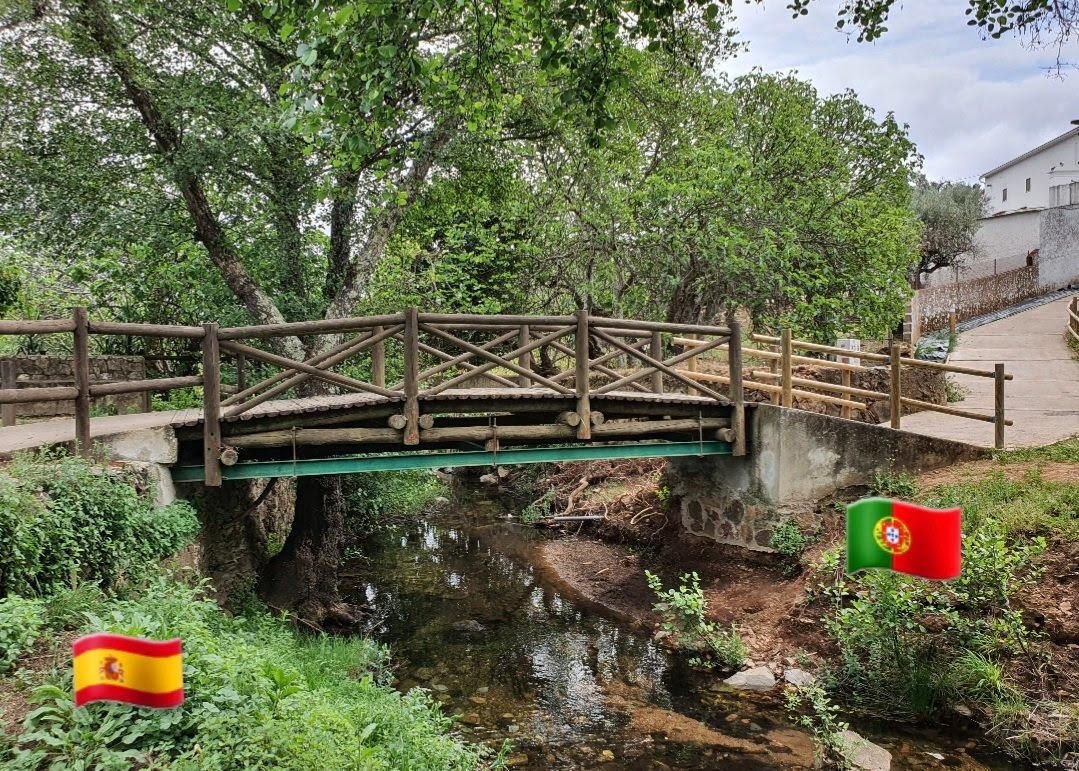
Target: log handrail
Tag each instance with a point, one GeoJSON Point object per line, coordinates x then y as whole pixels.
{"type": "Point", "coordinates": [443, 351]}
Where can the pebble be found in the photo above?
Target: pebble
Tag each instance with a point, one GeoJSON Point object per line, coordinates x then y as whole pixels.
{"type": "Point", "coordinates": [513, 728]}
{"type": "Point", "coordinates": [798, 677]}
{"type": "Point", "coordinates": [482, 690]}
{"type": "Point", "coordinates": [440, 687]}
{"type": "Point", "coordinates": [865, 755]}
{"type": "Point", "coordinates": [731, 717]}
{"type": "Point", "coordinates": [606, 756]}
{"type": "Point", "coordinates": [519, 759]}
{"type": "Point", "coordinates": [478, 699]}
{"type": "Point", "coordinates": [755, 727]}
{"type": "Point", "coordinates": [507, 716]}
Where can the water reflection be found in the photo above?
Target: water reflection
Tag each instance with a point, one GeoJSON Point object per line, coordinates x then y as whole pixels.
{"type": "Point", "coordinates": [469, 619]}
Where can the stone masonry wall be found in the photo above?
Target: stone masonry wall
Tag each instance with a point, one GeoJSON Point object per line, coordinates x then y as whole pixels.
{"type": "Point", "coordinates": [973, 298]}
{"type": "Point", "coordinates": [54, 371]}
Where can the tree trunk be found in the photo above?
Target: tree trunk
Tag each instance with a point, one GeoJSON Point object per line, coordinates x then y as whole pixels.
{"type": "Point", "coordinates": [302, 578]}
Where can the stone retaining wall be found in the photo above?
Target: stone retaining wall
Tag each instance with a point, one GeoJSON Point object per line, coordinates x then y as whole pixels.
{"type": "Point", "coordinates": [931, 307]}
{"type": "Point", "coordinates": [54, 371]}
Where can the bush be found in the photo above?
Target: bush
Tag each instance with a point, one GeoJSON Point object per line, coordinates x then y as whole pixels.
{"type": "Point", "coordinates": [377, 497]}
{"type": "Point", "coordinates": [900, 638]}
{"type": "Point", "coordinates": [257, 695]}
{"type": "Point", "coordinates": [684, 612]}
{"type": "Point", "coordinates": [64, 520]}
{"type": "Point", "coordinates": [789, 540]}
{"type": "Point", "coordinates": [20, 622]}
{"type": "Point", "coordinates": [811, 709]}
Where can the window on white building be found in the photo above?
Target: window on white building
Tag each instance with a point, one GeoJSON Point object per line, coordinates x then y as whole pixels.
{"type": "Point", "coordinates": [1004, 195]}
{"type": "Point", "coordinates": [1028, 184]}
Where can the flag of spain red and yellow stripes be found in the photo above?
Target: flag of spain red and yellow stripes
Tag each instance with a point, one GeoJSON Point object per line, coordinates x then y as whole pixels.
{"type": "Point", "coordinates": [114, 667]}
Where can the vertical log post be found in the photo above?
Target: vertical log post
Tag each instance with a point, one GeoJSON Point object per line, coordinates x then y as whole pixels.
{"type": "Point", "coordinates": [785, 366]}
{"type": "Point", "coordinates": [773, 367]}
{"type": "Point", "coordinates": [211, 406]}
{"type": "Point", "coordinates": [655, 350]}
{"type": "Point", "coordinates": [525, 359]}
{"type": "Point", "coordinates": [581, 381]}
{"type": "Point", "coordinates": [81, 365]}
{"type": "Point", "coordinates": [241, 372]}
{"type": "Point", "coordinates": [844, 375]}
{"type": "Point", "coordinates": [8, 380]}
{"type": "Point", "coordinates": [738, 397]}
{"type": "Point", "coordinates": [691, 366]}
{"type": "Point", "coordinates": [998, 406]}
{"type": "Point", "coordinates": [412, 374]}
{"type": "Point", "coordinates": [896, 391]}
{"type": "Point", "coordinates": [378, 361]}
{"type": "Point", "coordinates": [953, 322]}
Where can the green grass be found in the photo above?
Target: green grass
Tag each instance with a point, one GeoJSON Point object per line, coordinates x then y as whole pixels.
{"type": "Point", "coordinates": [1061, 452]}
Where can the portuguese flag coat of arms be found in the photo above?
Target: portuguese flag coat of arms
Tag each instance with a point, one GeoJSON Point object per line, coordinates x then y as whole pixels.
{"type": "Point", "coordinates": [894, 535]}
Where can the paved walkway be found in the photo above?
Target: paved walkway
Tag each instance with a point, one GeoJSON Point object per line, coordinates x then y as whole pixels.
{"type": "Point", "coordinates": [1042, 398]}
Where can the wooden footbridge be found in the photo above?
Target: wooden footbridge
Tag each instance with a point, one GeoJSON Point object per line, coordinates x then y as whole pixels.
{"type": "Point", "coordinates": [413, 390]}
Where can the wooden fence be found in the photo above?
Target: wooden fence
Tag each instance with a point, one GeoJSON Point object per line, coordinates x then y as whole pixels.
{"type": "Point", "coordinates": [1073, 319]}
{"type": "Point", "coordinates": [779, 381]}
{"type": "Point", "coordinates": [402, 359]}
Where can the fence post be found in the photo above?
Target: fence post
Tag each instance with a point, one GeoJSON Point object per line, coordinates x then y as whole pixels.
{"type": "Point", "coordinates": [241, 372]}
{"type": "Point", "coordinates": [378, 361]}
{"type": "Point", "coordinates": [524, 337]}
{"type": "Point", "coordinates": [738, 397]}
{"type": "Point", "coordinates": [412, 374]}
{"type": "Point", "coordinates": [655, 350]}
{"type": "Point", "coordinates": [896, 391]}
{"type": "Point", "coordinates": [691, 366]}
{"type": "Point", "coordinates": [844, 375]}
{"type": "Point", "coordinates": [785, 365]}
{"type": "Point", "coordinates": [998, 405]}
{"type": "Point", "coordinates": [81, 366]}
{"type": "Point", "coordinates": [211, 406]}
{"type": "Point", "coordinates": [581, 382]}
{"type": "Point", "coordinates": [8, 380]}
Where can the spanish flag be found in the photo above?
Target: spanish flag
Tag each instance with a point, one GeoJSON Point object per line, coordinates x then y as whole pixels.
{"type": "Point", "coordinates": [895, 535]}
{"type": "Point", "coordinates": [113, 667]}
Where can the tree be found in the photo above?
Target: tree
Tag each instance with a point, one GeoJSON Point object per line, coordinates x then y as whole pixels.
{"type": "Point", "coordinates": [717, 196]}
{"type": "Point", "coordinates": [950, 213]}
{"type": "Point", "coordinates": [145, 140]}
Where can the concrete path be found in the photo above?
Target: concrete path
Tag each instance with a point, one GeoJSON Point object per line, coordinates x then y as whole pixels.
{"type": "Point", "coordinates": [1043, 396]}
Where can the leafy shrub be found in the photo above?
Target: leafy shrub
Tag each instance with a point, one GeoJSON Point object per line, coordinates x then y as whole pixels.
{"type": "Point", "coordinates": [64, 520]}
{"type": "Point", "coordinates": [375, 498]}
{"type": "Point", "coordinates": [811, 709]}
{"type": "Point", "coordinates": [900, 637]}
{"type": "Point", "coordinates": [684, 612]}
{"type": "Point", "coordinates": [789, 540]}
{"type": "Point", "coordinates": [20, 622]}
{"type": "Point", "coordinates": [257, 695]}
{"type": "Point", "coordinates": [895, 484]}
{"type": "Point", "coordinates": [540, 508]}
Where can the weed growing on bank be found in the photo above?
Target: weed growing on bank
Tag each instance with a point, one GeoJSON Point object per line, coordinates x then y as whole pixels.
{"type": "Point", "coordinates": [684, 612]}
{"type": "Point", "coordinates": [912, 649]}
{"type": "Point", "coordinates": [257, 695]}
{"type": "Point", "coordinates": [65, 521]}
{"type": "Point", "coordinates": [812, 709]}
{"type": "Point", "coordinates": [79, 551]}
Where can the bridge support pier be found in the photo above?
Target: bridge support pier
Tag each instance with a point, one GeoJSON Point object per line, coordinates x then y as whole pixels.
{"type": "Point", "coordinates": [796, 459]}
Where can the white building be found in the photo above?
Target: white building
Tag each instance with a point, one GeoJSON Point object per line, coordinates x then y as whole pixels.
{"type": "Point", "coordinates": [1037, 179]}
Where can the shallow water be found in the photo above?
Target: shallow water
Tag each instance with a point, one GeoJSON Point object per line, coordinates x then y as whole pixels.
{"type": "Point", "coordinates": [470, 616]}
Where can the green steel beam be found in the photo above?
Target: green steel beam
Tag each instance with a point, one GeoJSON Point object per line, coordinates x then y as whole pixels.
{"type": "Point", "coordinates": [396, 462]}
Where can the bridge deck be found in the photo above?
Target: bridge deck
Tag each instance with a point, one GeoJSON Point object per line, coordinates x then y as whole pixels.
{"type": "Point", "coordinates": [62, 430]}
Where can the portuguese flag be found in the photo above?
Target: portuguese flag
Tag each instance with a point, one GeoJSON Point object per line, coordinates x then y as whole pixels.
{"type": "Point", "coordinates": [113, 667]}
{"type": "Point", "coordinates": [894, 535]}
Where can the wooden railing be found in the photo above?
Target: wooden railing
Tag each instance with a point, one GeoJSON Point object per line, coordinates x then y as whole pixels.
{"type": "Point", "coordinates": [404, 358]}
{"type": "Point", "coordinates": [783, 386]}
{"type": "Point", "coordinates": [1073, 319]}
{"type": "Point", "coordinates": [580, 357]}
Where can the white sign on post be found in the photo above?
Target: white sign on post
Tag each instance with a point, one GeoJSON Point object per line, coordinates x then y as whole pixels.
{"type": "Point", "coordinates": [849, 344]}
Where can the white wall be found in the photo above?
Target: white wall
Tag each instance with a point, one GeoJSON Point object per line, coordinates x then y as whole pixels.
{"type": "Point", "coordinates": [1003, 243]}
{"type": "Point", "coordinates": [1056, 165]}
{"type": "Point", "coordinates": [1058, 260]}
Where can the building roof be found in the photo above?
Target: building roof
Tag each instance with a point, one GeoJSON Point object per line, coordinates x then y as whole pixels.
{"type": "Point", "coordinates": [1066, 135]}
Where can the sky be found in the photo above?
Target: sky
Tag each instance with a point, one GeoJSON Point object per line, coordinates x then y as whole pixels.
{"type": "Point", "coordinates": [971, 104]}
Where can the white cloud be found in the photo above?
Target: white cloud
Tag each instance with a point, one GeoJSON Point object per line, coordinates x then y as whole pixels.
{"type": "Point", "coordinates": [971, 104]}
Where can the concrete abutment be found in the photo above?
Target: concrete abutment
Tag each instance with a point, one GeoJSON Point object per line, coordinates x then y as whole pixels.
{"type": "Point", "coordinates": [796, 459]}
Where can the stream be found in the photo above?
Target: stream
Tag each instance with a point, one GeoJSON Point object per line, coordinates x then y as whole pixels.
{"type": "Point", "coordinates": [471, 615]}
